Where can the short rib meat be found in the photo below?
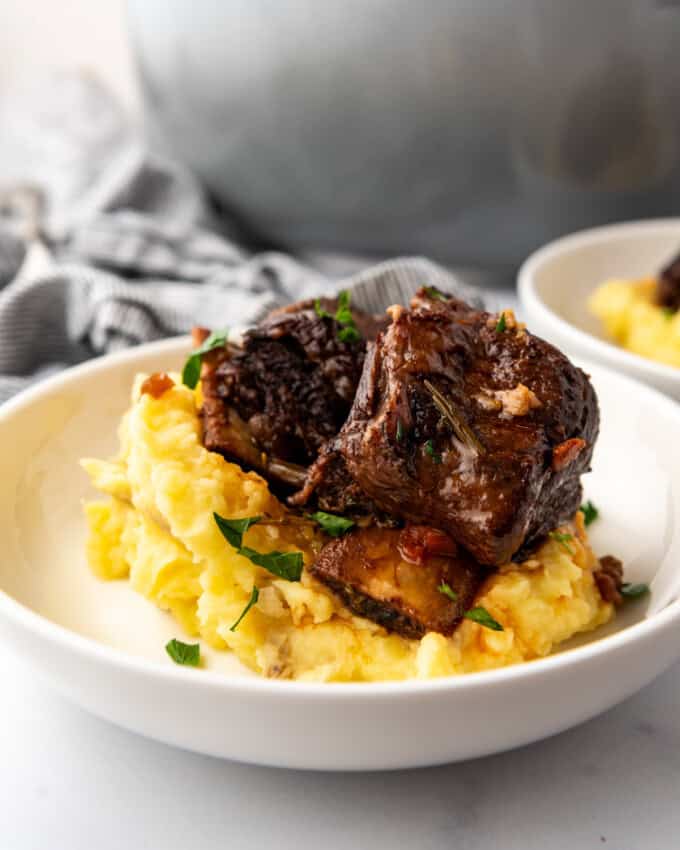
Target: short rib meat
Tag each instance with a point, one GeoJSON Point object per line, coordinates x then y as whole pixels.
{"type": "Point", "coordinates": [273, 403]}
{"type": "Point", "coordinates": [667, 292]}
{"type": "Point", "coordinates": [395, 578]}
{"type": "Point", "coordinates": [466, 422]}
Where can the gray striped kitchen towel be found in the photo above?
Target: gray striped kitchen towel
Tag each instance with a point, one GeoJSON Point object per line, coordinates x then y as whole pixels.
{"type": "Point", "coordinates": [105, 244]}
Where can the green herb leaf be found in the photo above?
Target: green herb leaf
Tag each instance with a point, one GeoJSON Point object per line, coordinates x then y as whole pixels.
{"type": "Point", "coordinates": [634, 591]}
{"type": "Point", "coordinates": [254, 596]}
{"type": "Point", "coordinates": [433, 293]}
{"type": "Point", "coordinates": [501, 324]}
{"type": "Point", "coordinates": [429, 448]}
{"type": "Point", "coordinates": [192, 368]}
{"type": "Point", "coordinates": [563, 540]}
{"type": "Point", "coordinates": [234, 529]}
{"type": "Point", "coordinates": [343, 314]}
{"type": "Point", "coordinates": [481, 615]}
{"type": "Point", "coordinates": [349, 334]}
{"type": "Point", "coordinates": [348, 331]}
{"type": "Point", "coordinates": [320, 312]}
{"type": "Point", "coordinates": [668, 312]}
{"type": "Point", "coordinates": [447, 590]}
{"type": "Point", "coordinates": [188, 654]}
{"type": "Point", "coordinates": [589, 511]}
{"type": "Point", "coordinates": [332, 524]}
{"type": "Point", "coordinates": [286, 565]}
{"type": "Point", "coordinates": [400, 431]}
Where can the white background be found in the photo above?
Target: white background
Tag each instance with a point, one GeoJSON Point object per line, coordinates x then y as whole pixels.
{"type": "Point", "coordinates": [39, 35]}
{"type": "Point", "coordinates": [71, 782]}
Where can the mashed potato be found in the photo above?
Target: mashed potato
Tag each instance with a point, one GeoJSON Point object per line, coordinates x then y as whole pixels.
{"type": "Point", "coordinates": [628, 312]}
{"type": "Point", "coordinates": [156, 527]}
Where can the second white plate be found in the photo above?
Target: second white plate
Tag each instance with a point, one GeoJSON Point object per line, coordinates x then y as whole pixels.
{"type": "Point", "coordinates": [556, 281]}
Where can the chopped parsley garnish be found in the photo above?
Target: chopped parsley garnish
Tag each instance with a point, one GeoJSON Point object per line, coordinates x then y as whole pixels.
{"type": "Point", "coordinates": [188, 654]}
{"type": "Point", "coordinates": [320, 312]}
{"type": "Point", "coordinates": [349, 334]}
{"type": "Point", "coordinates": [590, 512]}
{"type": "Point", "coordinates": [400, 430]}
{"type": "Point", "coordinates": [332, 524]}
{"type": "Point", "coordinates": [192, 368]}
{"type": "Point", "coordinates": [348, 331]}
{"type": "Point", "coordinates": [634, 591]}
{"type": "Point", "coordinates": [501, 324]}
{"type": "Point", "coordinates": [481, 615]}
{"type": "Point", "coordinates": [429, 448]}
{"type": "Point", "coordinates": [286, 565]}
{"type": "Point", "coordinates": [433, 293]}
{"type": "Point", "coordinates": [563, 540]}
{"type": "Point", "coordinates": [254, 596]}
{"type": "Point", "coordinates": [668, 312]}
{"type": "Point", "coordinates": [447, 590]}
{"type": "Point", "coordinates": [234, 529]}
{"type": "Point", "coordinates": [343, 315]}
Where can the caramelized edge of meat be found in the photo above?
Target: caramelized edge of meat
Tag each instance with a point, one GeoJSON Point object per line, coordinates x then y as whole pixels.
{"type": "Point", "coordinates": [347, 570]}
{"type": "Point", "coordinates": [225, 433]}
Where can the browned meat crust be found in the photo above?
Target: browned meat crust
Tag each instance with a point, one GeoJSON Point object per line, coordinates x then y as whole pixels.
{"type": "Point", "coordinates": [225, 432]}
{"type": "Point", "coordinates": [274, 403]}
{"type": "Point", "coordinates": [424, 445]}
{"type": "Point", "coordinates": [372, 572]}
{"type": "Point", "coordinates": [328, 486]}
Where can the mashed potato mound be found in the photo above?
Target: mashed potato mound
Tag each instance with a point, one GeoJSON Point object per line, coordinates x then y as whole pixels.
{"type": "Point", "coordinates": [156, 527]}
{"type": "Point", "coordinates": [627, 310]}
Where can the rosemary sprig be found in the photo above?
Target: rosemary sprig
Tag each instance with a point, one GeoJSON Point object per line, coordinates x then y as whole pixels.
{"type": "Point", "coordinates": [460, 428]}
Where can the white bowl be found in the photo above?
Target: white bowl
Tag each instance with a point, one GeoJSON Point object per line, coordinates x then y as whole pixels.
{"type": "Point", "coordinates": [556, 281]}
{"type": "Point", "coordinates": [101, 644]}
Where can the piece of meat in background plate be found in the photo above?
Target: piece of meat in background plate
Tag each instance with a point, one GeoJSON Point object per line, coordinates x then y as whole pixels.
{"type": "Point", "coordinates": [466, 422]}
{"type": "Point", "coordinates": [667, 293]}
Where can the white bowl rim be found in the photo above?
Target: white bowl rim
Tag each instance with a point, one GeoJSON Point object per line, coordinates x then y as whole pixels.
{"type": "Point", "coordinates": [93, 650]}
{"type": "Point", "coordinates": [530, 299]}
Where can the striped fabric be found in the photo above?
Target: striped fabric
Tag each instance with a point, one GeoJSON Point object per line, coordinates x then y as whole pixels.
{"type": "Point", "coordinates": [105, 245]}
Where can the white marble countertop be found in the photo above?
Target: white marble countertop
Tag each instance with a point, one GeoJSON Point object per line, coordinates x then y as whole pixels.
{"type": "Point", "coordinates": [69, 781]}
